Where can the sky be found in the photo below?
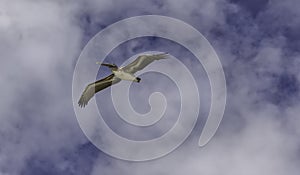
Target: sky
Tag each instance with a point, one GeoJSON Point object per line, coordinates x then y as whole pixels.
{"type": "Point", "coordinates": [257, 43]}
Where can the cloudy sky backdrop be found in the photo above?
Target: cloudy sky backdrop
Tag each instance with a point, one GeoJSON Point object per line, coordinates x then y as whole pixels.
{"type": "Point", "coordinates": [257, 42]}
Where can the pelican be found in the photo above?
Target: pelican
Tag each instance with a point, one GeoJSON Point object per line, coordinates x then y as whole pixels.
{"type": "Point", "coordinates": [123, 73]}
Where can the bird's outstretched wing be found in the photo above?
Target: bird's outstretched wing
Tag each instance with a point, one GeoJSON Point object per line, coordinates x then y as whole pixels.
{"type": "Point", "coordinates": [142, 61]}
{"type": "Point", "coordinates": [95, 87]}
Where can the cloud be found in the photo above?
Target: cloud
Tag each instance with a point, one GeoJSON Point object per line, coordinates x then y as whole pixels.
{"type": "Point", "coordinates": [262, 146]}
{"type": "Point", "coordinates": [41, 40]}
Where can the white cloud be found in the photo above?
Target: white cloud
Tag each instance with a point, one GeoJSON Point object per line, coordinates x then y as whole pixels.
{"type": "Point", "coordinates": [38, 48]}
{"type": "Point", "coordinates": [40, 40]}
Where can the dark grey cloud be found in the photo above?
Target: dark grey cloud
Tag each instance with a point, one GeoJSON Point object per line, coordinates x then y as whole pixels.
{"type": "Point", "coordinates": [257, 42]}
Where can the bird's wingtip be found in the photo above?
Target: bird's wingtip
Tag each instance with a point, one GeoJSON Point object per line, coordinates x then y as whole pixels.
{"type": "Point", "coordinates": [82, 103]}
{"type": "Point", "coordinates": [164, 55]}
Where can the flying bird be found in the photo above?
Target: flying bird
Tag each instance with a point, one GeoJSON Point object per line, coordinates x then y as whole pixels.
{"type": "Point", "coordinates": [123, 73]}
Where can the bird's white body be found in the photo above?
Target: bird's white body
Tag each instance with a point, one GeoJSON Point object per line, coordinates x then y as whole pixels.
{"type": "Point", "coordinates": [124, 75]}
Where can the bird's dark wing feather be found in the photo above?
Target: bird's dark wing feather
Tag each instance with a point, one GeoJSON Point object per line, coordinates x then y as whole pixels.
{"type": "Point", "coordinates": [142, 61]}
{"type": "Point", "coordinates": [95, 87]}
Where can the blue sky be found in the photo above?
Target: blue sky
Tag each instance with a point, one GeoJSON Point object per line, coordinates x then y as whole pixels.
{"type": "Point", "coordinates": [257, 42]}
